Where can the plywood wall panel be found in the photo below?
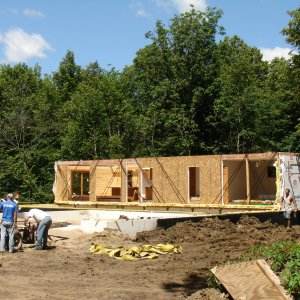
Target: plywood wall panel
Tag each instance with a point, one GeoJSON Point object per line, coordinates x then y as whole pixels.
{"type": "Point", "coordinates": [170, 177]}
{"type": "Point", "coordinates": [61, 184]}
{"type": "Point", "coordinates": [92, 190]}
{"type": "Point", "coordinates": [107, 177]}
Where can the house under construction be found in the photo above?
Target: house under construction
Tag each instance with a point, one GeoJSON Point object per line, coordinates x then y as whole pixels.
{"type": "Point", "coordinates": [184, 180]}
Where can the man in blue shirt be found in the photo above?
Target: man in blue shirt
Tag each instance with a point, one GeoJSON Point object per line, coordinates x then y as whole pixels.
{"type": "Point", "coordinates": [9, 221]}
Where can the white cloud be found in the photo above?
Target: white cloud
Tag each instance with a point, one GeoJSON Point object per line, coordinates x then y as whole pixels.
{"type": "Point", "coordinates": [32, 13]}
{"type": "Point", "coordinates": [20, 46]}
{"type": "Point", "coordinates": [162, 3]}
{"type": "Point", "coordinates": [142, 13]}
{"type": "Point", "coordinates": [183, 5]}
{"type": "Point", "coordinates": [271, 53]}
{"type": "Point", "coordinates": [139, 10]}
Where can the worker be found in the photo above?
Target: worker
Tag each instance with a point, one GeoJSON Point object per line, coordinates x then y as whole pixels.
{"type": "Point", "coordinates": [9, 222]}
{"type": "Point", "coordinates": [288, 204]}
{"type": "Point", "coordinates": [44, 222]}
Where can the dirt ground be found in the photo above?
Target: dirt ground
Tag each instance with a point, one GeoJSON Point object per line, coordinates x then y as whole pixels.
{"type": "Point", "coordinates": [68, 271]}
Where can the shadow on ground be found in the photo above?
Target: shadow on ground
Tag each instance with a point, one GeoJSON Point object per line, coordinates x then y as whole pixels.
{"type": "Point", "coordinates": [192, 283]}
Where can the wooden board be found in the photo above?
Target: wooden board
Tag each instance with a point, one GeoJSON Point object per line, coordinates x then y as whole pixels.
{"type": "Point", "coordinates": [251, 280]}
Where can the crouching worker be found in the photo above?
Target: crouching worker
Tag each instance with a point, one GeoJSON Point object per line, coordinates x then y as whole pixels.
{"type": "Point", "coordinates": [9, 222]}
{"type": "Point", "coordinates": [44, 222]}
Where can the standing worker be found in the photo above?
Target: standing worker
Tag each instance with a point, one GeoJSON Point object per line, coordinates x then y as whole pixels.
{"type": "Point", "coordinates": [9, 222]}
{"type": "Point", "coordinates": [288, 204]}
{"type": "Point", "coordinates": [44, 222]}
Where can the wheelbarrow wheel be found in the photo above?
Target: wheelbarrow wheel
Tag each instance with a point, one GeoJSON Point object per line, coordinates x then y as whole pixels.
{"type": "Point", "coordinates": [18, 240]}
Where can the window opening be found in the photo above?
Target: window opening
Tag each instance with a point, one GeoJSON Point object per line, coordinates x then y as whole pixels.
{"type": "Point", "coordinates": [80, 184]}
{"type": "Point", "coordinates": [271, 171]}
{"type": "Point", "coordinates": [132, 184]}
{"type": "Point", "coordinates": [146, 184]}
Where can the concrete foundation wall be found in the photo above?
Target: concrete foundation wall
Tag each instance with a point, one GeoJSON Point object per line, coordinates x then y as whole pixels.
{"type": "Point", "coordinates": [92, 221]}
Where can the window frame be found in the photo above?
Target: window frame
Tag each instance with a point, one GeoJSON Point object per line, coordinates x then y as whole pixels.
{"type": "Point", "coordinates": [81, 195]}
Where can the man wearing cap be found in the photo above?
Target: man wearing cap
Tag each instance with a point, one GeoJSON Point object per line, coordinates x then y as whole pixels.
{"type": "Point", "coordinates": [9, 222]}
{"type": "Point", "coordinates": [44, 222]}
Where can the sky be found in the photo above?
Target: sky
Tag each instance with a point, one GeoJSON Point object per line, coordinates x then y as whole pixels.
{"type": "Point", "coordinates": [112, 31]}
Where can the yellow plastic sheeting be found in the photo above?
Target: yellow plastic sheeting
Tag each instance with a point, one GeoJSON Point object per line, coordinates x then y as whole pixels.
{"type": "Point", "coordinates": [135, 252]}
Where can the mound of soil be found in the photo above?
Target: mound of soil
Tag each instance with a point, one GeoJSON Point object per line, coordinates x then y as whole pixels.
{"type": "Point", "coordinates": [68, 271]}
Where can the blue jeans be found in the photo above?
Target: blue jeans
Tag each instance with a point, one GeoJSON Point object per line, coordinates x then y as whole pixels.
{"type": "Point", "coordinates": [7, 228]}
{"type": "Point", "coordinates": [42, 233]}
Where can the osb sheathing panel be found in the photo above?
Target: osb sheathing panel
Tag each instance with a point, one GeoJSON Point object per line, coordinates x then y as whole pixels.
{"type": "Point", "coordinates": [237, 189]}
{"type": "Point", "coordinates": [62, 184]}
{"type": "Point", "coordinates": [123, 181]}
{"type": "Point", "coordinates": [106, 178]}
{"type": "Point", "coordinates": [93, 181]}
{"type": "Point", "coordinates": [260, 183]}
{"type": "Point", "coordinates": [170, 177]}
{"type": "Point", "coordinates": [251, 156]}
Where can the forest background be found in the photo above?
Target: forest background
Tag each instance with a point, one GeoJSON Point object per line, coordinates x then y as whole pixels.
{"type": "Point", "coordinates": [192, 90]}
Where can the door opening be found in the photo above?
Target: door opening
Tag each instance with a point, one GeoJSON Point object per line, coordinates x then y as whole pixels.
{"type": "Point", "coordinates": [194, 182]}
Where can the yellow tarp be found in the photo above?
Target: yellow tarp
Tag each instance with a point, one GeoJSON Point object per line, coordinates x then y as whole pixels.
{"type": "Point", "coordinates": [135, 252]}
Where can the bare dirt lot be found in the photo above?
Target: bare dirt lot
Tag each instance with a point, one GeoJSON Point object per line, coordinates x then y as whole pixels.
{"type": "Point", "coordinates": [68, 271]}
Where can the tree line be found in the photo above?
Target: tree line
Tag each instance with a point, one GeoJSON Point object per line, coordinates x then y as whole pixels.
{"type": "Point", "coordinates": [192, 90]}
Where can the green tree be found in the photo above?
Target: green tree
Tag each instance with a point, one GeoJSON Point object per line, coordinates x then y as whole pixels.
{"type": "Point", "coordinates": [96, 118]}
{"type": "Point", "coordinates": [68, 76]}
{"type": "Point", "coordinates": [273, 120]}
{"type": "Point", "coordinates": [239, 83]}
{"type": "Point", "coordinates": [292, 33]}
{"type": "Point", "coordinates": [172, 76]}
{"type": "Point", "coordinates": [45, 143]}
{"type": "Point", "coordinates": [22, 129]}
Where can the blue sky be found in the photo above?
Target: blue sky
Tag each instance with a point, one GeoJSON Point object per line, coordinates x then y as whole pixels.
{"type": "Point", "coordinates": [111, 31]}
